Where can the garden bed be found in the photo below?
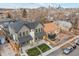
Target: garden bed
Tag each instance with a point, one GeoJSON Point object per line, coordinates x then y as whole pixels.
{"type": "Point", "coordinates": [33, 52]}
{"type": "Point", "coordinates": [44, 47]}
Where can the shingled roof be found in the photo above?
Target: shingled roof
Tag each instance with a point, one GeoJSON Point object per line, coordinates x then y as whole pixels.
{"type": "Point", "coordinates": [16, 26]}
{"type": "Point", "coordinates": [32, 25]}
{"type": "Point", "coordinates": [24, 39]}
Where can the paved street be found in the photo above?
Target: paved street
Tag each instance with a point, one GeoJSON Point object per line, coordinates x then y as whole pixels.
{"type": "Point", "coordinates": [55, 53]}
{"type": "Point", "coordinates": [59, 52]}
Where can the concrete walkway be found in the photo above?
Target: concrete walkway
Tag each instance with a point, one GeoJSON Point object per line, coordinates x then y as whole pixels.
{"type": "Point", "coordinates": [35, 45]}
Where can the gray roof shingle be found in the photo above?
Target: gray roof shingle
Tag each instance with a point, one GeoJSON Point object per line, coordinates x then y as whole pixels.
{"type": "Point", "coordinates": [16, 26]}
{"type": "Point", "coordinates": [24, 39]}
{"type": "Point", "coordinates": [39, 35]}
{"type": "Point", "coordinates": [32, 25]}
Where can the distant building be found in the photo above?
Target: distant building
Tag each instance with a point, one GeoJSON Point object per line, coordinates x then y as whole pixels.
{"type": "Point", "coordinates": [64, 25]}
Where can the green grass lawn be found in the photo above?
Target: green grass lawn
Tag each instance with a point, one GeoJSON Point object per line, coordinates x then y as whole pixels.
{"type": "Point", "coordinates": [44, 47]}
{"type": "Point", "coordinates": [33, 52]}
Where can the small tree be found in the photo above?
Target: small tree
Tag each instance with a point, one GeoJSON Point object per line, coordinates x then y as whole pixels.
{"type": "Point", "coordinates": [42, 19]}
{"type": "Point", "coordinates": [24, 13]}
{"type": "Point", "coordinates": [8, 15]}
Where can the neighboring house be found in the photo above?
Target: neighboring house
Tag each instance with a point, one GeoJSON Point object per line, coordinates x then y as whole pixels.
{"type": "Point", "coordinates": [26, 32]}
{"type": "Point", "coordinates": [64, 25]}
{"type": "Point", "coordinates": [2, 40]}
{"type": "Point", "coordinates": [51, 30]}
{"type": "Point", "coordinates": [51, 27]}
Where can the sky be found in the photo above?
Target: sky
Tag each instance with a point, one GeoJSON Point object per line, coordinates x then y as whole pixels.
{"type": "Point", "coordinates": [36, 5]}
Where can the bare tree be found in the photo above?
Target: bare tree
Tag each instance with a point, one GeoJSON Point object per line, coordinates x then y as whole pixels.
{"type": "Point", "coordinates": [8, 15]}
{"type": "Point", "coordinates": [24, 13]}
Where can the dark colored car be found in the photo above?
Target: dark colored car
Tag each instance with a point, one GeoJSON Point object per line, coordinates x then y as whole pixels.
{"type": "Point", "coordinates": [77, 41]}
{"type": "Point", "coordinates": [73, 45]}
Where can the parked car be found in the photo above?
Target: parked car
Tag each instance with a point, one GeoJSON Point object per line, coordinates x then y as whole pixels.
{"type": "Point", "coordinates": [77, 41]}
{"type": "Point", "coordinates": [74, 46]}
{"type": "Point", "coordinates": [69, 49]}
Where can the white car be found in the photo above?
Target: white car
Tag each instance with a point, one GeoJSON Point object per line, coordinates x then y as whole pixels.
{"type": "Point", "coordinates": [69, 49]}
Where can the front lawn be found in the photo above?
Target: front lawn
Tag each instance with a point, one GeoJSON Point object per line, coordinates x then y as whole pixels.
{"type": "Point", "coordinates": [44, 47]}
{"type": "Point", "coordinates": [33, 52]}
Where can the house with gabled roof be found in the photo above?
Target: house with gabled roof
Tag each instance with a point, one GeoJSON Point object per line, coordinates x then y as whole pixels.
{"type": "Point", "coordinates": [51, 29]}
{"type": "Point", "coordinates": [24, 32]}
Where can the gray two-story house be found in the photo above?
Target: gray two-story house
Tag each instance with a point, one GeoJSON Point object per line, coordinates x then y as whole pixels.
{"type": "Point", "coordinates": [26, 32]}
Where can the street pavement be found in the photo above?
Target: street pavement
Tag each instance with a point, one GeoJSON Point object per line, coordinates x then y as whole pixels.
{"type": "Point", "coordinates": [59, 52]}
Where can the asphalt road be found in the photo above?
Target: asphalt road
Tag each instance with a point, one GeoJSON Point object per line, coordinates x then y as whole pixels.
{"type": "Point", "coordinates": [59, 52]}
{"type": "Point", "coordinates": [55, 53]}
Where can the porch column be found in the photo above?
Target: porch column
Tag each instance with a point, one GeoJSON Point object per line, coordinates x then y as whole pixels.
{"type": "Point", "coordinates": [33, 35]}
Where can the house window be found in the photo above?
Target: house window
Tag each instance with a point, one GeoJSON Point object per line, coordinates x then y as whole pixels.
{"type": "Point", "coordinates": [23, 33]}
{"type": "Point", "coordinates": [27, 42]}
{"type": "Point", "coordinates": [19, 34]}
{"type": "Point", "coordinates": [36, 30]}
{"type": "Point", "coordinates": [36, 39]}
{"type": "Point", "coordinates": [26, 33]}
{"type": "Point", "coordinates": [39, 29]}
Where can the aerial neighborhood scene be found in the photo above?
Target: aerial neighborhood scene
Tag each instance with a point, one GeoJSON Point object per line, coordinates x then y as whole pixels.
{"type": "Point", "coordinates": [39, 29]}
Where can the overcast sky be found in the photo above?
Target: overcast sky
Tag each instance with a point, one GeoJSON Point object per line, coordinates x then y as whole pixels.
{"type": "Point", "coordinates": [36, 5]}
